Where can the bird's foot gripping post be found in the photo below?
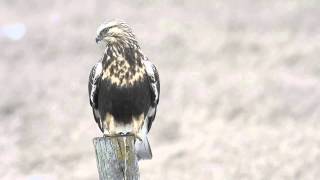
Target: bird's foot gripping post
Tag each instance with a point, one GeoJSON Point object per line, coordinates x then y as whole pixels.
{"type": "Point", "coordinates": [116, 157]}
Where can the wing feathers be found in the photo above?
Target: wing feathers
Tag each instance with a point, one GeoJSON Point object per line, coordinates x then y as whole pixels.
{"type": "Point", "coordinates": [154, 81]}
{"type": "Point", "coordinates": [94, 80]}
{"type": "Point", "coordinates": [93, 87]}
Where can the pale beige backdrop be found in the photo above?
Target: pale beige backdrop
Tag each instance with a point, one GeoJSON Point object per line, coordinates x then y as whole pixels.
{"type": "Point", "coordinates": [240, 90]}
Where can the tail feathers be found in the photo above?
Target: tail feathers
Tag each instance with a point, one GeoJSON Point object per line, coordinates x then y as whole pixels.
{"type": "Point", "coordinates": [143, 148]}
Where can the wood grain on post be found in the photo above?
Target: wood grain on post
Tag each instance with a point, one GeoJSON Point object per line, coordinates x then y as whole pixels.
{"type": "Point", "coordinates": [116, 160]}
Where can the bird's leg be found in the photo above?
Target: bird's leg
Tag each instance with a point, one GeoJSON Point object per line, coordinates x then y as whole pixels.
{"type": "Point", "coordinates": [109, 126]}
{"type": "Point", "coordinates": [137, 125]}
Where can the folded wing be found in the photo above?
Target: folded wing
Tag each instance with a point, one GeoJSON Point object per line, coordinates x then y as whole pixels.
{"type": "Point", "coordinates": [154, 82]}
{"type": "Point", "coordinates": [93, 87]}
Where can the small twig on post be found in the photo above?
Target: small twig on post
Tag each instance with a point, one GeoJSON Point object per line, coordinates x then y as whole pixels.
{"type": "Point", "coordinates": [116, 158]}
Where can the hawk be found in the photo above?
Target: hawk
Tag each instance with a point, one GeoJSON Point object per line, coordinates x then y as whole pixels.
{"type": "Point", "coordinates": [124, 87]}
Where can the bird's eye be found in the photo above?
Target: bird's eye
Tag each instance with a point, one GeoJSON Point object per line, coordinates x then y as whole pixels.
{"type": "Point", "coordinates": [105, 31]}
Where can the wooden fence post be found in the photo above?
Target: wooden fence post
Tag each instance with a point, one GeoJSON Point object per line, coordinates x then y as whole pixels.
{"type": "Point", "coordinates": [116, 158]}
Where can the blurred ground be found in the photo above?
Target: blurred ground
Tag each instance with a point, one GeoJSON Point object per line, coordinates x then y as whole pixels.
{"type": "Point", "coordinates": [240, 87]}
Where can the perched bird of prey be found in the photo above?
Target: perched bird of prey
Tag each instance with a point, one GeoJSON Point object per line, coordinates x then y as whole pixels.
{"type": "Point", "coordinates": [124, 87]}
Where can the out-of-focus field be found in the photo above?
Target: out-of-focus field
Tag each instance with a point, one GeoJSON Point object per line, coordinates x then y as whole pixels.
{"type": "Point", "coordinates": [240, 90]}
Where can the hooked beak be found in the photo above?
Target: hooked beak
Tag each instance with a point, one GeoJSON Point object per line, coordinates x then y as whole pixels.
{"type": "Point", "coordinates": [98, 39]}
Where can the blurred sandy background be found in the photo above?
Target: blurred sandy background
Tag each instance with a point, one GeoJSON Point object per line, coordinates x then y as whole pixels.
{"type": "Point", "coordinates": [240, 90]}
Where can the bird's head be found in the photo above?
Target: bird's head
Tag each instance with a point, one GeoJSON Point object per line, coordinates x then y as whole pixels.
{"type": "Point", "coordinates": [115, 32]}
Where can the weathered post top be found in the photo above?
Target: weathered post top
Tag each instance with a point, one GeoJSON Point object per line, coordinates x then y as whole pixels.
{"type": "Point", "coordinates": [116, 158]}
